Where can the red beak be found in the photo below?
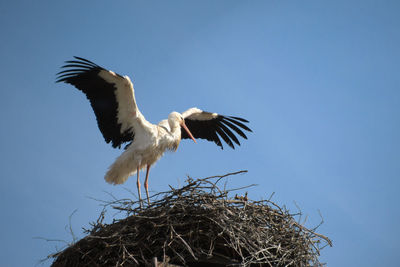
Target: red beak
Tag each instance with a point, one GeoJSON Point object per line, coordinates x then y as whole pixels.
{"type": "Point", "coordinates": [187, 130]}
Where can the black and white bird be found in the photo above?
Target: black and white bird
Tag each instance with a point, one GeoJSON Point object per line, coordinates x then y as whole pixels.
{"type": "Point", "coordinates": [120, 121]}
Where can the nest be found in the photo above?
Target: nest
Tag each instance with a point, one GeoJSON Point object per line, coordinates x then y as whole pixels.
{"type": "Point", "coordinates": [197, 225]}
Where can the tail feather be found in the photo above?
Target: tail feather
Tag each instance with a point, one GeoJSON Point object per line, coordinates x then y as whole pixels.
{"type": "Point", "coordinates": [123, 167]}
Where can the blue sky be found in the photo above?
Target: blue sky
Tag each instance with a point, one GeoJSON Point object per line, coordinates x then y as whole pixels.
{"type": "Point", "coordinates": [318, 81]}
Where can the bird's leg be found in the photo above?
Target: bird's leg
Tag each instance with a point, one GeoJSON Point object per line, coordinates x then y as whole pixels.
{"type": "Point", "coordinates": [138, 187]}
{"type": "Point", "coordinates": [146, 184]}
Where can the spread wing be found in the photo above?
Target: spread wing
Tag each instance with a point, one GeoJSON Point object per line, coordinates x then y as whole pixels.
{"type": "Point", "coordinates": [212, 126]}
{"type": "Point", "coordinates": [111, 97]}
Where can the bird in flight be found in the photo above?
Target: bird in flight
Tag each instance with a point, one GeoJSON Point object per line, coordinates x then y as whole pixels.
{"type": "Point", "coordinates": [112, 98]}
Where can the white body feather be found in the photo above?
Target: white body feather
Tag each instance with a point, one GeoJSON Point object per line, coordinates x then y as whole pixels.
{"type": "Point", "coordinates": [149, 145]}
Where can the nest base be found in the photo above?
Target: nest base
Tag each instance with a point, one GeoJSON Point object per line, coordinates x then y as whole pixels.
{"type": "Point", "coordinates": [197, 225]}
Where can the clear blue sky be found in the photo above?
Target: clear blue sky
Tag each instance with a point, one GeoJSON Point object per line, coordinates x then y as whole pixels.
{"type": "Point", "coordinates": [318, 80]}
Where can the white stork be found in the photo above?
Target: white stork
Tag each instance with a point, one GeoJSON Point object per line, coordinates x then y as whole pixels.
{"type": "Point", "coordinates": [120, 121]}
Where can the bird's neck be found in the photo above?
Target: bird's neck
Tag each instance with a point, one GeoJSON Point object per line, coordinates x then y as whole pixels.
{"type": "Point", "coordinates": [174, 137]}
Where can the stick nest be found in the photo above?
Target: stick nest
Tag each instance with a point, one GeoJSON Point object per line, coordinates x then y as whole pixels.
{"type": "Point", "coordinates": [197, 225]}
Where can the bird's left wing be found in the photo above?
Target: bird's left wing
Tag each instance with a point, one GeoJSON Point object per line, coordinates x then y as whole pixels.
{"type": "Point", "coordinates": [111, 97]}
{"type": "Point", "coordinates": [211, 126]}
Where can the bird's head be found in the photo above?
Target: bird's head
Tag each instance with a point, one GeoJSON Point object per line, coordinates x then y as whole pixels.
{"type": "Point", "coordinates": [176, 119]}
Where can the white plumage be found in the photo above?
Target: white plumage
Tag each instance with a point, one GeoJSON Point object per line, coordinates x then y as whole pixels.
{"type": "Point", "coordinates": [120, 121]}
{"type": "Point", "coordinates": [148, 146]}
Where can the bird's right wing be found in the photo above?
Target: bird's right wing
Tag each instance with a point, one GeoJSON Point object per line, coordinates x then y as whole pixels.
{"type": "Point", "coordinates": [211, 126]}
{"type": "Point", "coordinates": [111, 96]}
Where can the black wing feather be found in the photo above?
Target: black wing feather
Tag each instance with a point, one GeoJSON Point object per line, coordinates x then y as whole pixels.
{"type": "Point", "coordinates": [229, 133]}
{"type": "Point", "coordinates": [83, 74]}
{"type": "Point", "coordinates": [235, 128]}
{"type": "Point", "coordinates": [234, 120]}
{"type": "Point", "coordinates": [220, 126]}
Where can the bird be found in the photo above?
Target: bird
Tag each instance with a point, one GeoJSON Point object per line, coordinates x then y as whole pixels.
{"type": "Point", "coordinates": [120, 121]}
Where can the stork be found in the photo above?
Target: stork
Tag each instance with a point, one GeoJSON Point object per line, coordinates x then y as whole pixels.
{"type": "Point", "coordinates": [113, 101]}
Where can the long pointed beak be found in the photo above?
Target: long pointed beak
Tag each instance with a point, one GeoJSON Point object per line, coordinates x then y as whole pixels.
{"type": "Point", "coordinates": [187, 130]}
